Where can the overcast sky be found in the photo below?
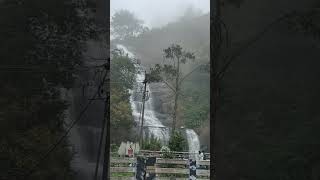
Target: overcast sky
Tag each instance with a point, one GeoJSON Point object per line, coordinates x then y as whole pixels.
{"type": "Point", "coordinates": [157, 13]}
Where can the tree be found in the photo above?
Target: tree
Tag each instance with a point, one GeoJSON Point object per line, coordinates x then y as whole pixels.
{"type": "Point", "coordinates": [125, 24]}
{"type": "Point", "coordinates": [195, 105]}
{"type": "Point", "coordinates": [177, 142]}
{"type": "Point", "coordinates": [121, 79]}
{"type": "Point", "coordinates": [122, 70]}
{"type": "Point", "coordinates": [170, 73]}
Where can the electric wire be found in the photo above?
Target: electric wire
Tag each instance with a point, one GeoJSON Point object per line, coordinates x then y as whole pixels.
{"type": "Point", "coordinates": [55, 145]}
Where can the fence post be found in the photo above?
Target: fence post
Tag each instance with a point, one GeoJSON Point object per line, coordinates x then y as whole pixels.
{"type": "Point", "coordinates": [150, 164]}
{"type": "Point", "coordinates": [192, 169]}
{"type": "Point", "coordinates": [140, 168]}
{"type": "Point", "coordinates": [150, 172]}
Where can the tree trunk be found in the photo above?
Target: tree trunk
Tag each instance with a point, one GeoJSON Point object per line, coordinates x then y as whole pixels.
{"type": "Point", "coordinates": [176, 98]}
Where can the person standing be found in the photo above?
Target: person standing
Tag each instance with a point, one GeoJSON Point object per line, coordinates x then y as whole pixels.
{"type": "Point", "coordinates": [201, 155]}
{"type": "Point", "coordinates": [130, 151]}
{"type": "Point", "coordinates": [200, 158]}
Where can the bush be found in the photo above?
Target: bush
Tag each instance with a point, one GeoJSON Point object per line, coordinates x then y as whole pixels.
{"type": "Point", "coordinates": [152, 144]}
{"type": "Point", "coordinates": [177, 142]}
{"type": "Point", "coordinates": [114, 147]}
{"type": "Point", "coordinates": [166, 153]}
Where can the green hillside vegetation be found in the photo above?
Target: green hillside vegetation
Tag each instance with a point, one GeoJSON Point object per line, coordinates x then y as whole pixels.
{"type": "Point", "coordinates": [122, 76]}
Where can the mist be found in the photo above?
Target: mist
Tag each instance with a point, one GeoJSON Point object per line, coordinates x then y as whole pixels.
{"type": "Point", "coordinates": [159, 13]}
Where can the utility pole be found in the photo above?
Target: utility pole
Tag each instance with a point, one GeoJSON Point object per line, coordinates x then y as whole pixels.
{"type": "Point", "coordinates": [102, 21]}
{"type": "Point", "coordinates": [143, 102]}
{"type": "Point", "coordinates": [106, 163]}
{"type": "Point", "coordinates": [104, 122]}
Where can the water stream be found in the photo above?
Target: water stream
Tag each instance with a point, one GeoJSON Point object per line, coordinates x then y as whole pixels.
{"type": "Point", "coordinates": [151, 122]}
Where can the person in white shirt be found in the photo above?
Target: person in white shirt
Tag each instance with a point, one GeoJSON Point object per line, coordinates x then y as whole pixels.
{"type": "Point", "coordinates": [201, 155]}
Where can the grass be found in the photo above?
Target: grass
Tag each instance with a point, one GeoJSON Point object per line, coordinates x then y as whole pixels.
{"type": "Point", "coordinates": [122, 174]}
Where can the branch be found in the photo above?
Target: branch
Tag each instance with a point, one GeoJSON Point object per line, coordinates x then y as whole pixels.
{"type": "Point", "coordinates": [182, 79]}
{"type": "Point", "coordinates": [169, 86]}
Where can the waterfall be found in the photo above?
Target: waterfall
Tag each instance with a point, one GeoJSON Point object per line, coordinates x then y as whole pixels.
{"type": "Point", "coordinates": [193, 142]}
{"type": "Point", "coordinates": [158, 130]}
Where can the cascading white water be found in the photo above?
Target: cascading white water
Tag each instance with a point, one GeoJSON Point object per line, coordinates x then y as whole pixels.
{"type": "Point", "coordinates": [158, 130]}
{"type": "Point", "coordinates": [193, 142]}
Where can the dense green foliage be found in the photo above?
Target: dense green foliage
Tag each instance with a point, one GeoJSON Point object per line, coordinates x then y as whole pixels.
{"type": "Point", "coordinates": [41, 45]}
{"type": "Point", "coordinates": [195, 102]}
{"type": "Point", "coordinates": [122, 76]}
{"type": "Point", "coordinates": [177, 142]}
{"type": "Point", "coordinates": [152, 144]}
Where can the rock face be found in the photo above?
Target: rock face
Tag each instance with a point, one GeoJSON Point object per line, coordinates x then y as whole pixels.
{"type": "Point", "coordinates": [204, 137]}
{"type": "Point", "coordinates": [163, 102]}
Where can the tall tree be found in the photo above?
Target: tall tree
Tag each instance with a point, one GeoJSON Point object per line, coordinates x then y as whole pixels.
{"type": "Point", "coordinates": [170, 73]}
{"type": "Point", "coordinates": [121, 79]}
{"type": "Point", "coordinates": [177, 142]}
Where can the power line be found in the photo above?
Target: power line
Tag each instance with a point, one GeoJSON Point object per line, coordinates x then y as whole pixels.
{"type": "Point", "coordinates": [101, 137]}
{"type": "Point", "coordinates": [53, 147]}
